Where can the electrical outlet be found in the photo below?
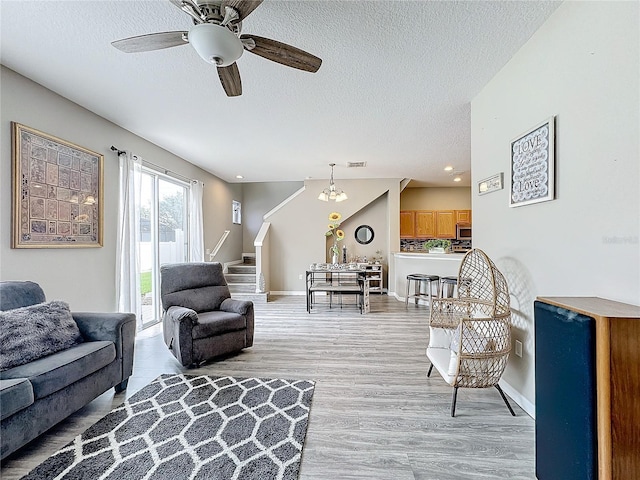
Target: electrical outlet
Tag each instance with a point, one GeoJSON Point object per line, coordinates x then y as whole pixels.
{"type": "Point", "coordinates": [208, 251]}
{"type": "Point", "coordinates": [300, 277]}
{"type": "Point", "coordinates": [518, 348]}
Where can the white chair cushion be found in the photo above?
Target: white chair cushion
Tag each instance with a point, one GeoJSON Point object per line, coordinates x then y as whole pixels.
{"type": "Point", "coordinates": [441, 337]}
{"type": "Point", "coordinates": [445, 361]}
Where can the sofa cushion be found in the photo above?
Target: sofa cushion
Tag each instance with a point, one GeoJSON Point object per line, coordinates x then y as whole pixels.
{"type": "Point", "coordinates": [198, 299]}
{"type": "Point", "coordinates": [35, 331]}
{"type": "Point", "coordinates": [15, 294]}
{"type": "Point", "coordinates": [215, 323]}
{"type": "Point", "coordinates": [55, 372]}
{"type": "Point", "coordinates": [198, 286]}
{"type": "Point", "coordinates": [15, 395]}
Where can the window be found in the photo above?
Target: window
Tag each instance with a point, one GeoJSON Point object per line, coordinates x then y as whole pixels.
{"type": "Point", "coordinates": [164, 236]}
{"type": "Point", "coordinates": [236, 214]}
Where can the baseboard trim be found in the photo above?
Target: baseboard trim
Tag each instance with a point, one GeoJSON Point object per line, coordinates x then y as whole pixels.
{"type": "Point", "coordinates": [401, 299]}
{"type": "Point", "coordinates": [287, 292]}
{"type": "Point", "coordinates": [517, 397]}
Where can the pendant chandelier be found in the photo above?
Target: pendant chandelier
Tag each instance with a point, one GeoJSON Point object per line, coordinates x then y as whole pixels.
{"type": "Point", "coordinates": [331, 192]}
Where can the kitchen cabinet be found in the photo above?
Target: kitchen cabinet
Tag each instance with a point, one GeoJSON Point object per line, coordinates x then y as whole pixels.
{"type": "Point", "coordinates": [425, 222]}
{"type": "Point", "coordinates": [463, 216]}
{"type": "Point", "coordinates": [445, 224]}
{"type": "Point", "coordinates": [432, 223]}
{"type": "Point", "coordinates": [587, 370]}
{"type": "Point", "coordinates": [407, 224]}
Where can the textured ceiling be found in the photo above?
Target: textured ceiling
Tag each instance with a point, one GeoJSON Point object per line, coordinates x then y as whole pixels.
{"type": "Point", "coordinates": [394, 88]}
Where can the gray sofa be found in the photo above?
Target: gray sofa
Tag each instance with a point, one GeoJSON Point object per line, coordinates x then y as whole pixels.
{"type": "Point", "coordinates": [39, 394]}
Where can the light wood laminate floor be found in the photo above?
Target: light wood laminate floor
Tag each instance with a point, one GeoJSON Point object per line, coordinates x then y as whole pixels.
{"type": "Point", "coordinates": [375, 414]}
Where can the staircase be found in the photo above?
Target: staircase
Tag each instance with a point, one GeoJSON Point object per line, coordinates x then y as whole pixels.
{"type": "Point", "coordinates": [241, 278]}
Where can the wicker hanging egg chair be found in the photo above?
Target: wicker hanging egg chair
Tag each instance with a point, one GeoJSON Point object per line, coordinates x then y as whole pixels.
{"type": "Point", "coordinates": [470, 334]}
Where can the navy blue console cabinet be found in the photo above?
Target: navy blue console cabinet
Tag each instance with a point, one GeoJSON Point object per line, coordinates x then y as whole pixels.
{"type": "Point", "coordinates": [587, 360]}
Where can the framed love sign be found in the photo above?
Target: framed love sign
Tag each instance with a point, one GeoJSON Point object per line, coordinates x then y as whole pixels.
{"type": "Point", "coordinates": [533, 165]}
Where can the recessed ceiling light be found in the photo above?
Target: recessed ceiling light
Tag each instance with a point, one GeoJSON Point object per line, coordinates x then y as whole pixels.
{"type": "Point", "coordinates": [448, 168]}
{"type": "Point", "coordinates": [457, 179]}
{"type": "Point", "coordinates": [239, 177]}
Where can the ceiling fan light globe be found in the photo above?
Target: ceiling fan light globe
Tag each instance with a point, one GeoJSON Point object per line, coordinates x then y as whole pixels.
{"type": "Point", "coordinates": [215, 44]}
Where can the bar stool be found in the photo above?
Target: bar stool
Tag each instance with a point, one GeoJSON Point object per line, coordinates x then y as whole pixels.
{"type": "Point", "coordinates": [447, 286]}
{"type": "Point", "coordinates": [418, 280]}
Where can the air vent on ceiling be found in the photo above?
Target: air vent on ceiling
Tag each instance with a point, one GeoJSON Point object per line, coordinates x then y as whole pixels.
{"type": "Point", "coordinates": [356, 164]}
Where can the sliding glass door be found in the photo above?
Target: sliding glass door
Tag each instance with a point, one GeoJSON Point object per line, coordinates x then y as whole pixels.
{"type": "Point", "coordinates": [164, 235]}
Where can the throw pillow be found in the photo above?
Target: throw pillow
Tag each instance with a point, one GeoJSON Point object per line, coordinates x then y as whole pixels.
{"type": "Point", "coordinates": [33, 332]}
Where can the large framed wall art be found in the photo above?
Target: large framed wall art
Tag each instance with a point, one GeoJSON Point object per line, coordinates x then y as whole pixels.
{"type": "Point", "coordinates": [533, 165]}
{"type": "Point", "coordinates": [57, 192]}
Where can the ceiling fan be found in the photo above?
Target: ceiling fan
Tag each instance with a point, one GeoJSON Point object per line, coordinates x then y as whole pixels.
{"type": "Point", "coordinates": [216, 36]}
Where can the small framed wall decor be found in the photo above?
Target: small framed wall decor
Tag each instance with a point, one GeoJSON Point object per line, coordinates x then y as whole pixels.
{"type": "Point", "coordinates": [57, 192]}
{"type": "Point", "coordinates": [491, 184]}
{"type": "Point", "coordinates": [533, 165]}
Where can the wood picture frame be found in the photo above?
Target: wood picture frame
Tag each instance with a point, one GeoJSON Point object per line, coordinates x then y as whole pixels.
{"type": "Point", "coordinates": [57, 192]}
{"type": "Point", "coordinates": [533, 165]}
{"type": "Point", "coordinates": [491, 184]}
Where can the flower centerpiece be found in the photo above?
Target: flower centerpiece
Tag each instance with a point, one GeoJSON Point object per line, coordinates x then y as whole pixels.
{"type": "Point", "coordinates": [335, 232]}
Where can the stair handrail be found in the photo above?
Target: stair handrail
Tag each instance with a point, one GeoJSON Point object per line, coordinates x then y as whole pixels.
{"type": "Point", "coordinates": [284, 202]}
{"type": "Point", "coordinates": [262, 244]}
{"type": "Point", "coordinates": [215, 251]}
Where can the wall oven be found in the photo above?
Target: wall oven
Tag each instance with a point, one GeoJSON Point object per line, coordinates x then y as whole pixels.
{"type": "Point", "coordinates": [463, 231]}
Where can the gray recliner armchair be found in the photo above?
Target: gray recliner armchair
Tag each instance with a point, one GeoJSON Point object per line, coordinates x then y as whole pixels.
{"type": "Point", "coordinates": [200, 319]}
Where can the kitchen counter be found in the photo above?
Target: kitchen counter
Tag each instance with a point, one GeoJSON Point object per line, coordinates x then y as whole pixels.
{"type": "Point", "coordinates": [444, 256]}
{"type": "Point", "coordinates": [441, 264]}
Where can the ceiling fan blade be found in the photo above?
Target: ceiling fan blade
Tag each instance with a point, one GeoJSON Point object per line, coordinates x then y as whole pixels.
{"type": "Point", "coordinates": [230, 80]}
{"type": "Point", "coordinates": [243, 7]}
{"type": "Point", "coordinates": [151, 41]}
{"type": "Point", "coordinates": [283, 53]}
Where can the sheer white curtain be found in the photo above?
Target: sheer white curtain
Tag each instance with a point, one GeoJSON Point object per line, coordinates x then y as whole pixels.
{"type": "Point", "coordinates": [127, 255]}
{"type": "Point", "coordinates": [196, 234]}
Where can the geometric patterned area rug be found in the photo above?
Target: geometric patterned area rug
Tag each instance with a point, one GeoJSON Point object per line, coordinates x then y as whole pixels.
{"type": "Point", "coordinates": [193, 427]}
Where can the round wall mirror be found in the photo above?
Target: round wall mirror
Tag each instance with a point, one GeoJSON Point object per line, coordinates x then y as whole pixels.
{"type": "Point", "coordinates": [364, 234]}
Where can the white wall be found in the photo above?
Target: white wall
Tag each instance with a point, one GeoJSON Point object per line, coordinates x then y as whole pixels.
{"type": "Point", "coordinates": [259, 198]}
{"type": "Point", "coordinates": [582, 66]}
{"type": "Point", "coordinates": [298, 228]}
{"type": "Point", "coordinates": [374, 215]}
{"type": "Point", "coordinates": [436, 198]}
{"type": "Point", "coordinates": [85, 277]}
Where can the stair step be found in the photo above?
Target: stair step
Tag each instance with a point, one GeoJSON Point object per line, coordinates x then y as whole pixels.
{"type": "Point", "coordinates": [240, 278]}
{"type": "Point", "coordinates": [242, 287]}
{"type": "Point", "coordinates": [241, 269]}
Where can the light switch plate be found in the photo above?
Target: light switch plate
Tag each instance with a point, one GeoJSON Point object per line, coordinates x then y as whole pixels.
{"type": "Point", "coordinates": [518, 348]}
